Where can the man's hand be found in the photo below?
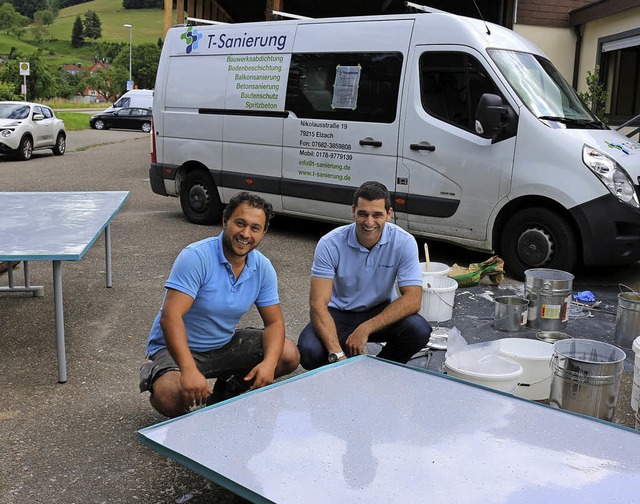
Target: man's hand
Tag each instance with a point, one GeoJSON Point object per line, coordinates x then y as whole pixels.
{"type": "Point", "coordinates": [262, 375]}
{"type": "Point", "coordinates": [357, 341]}
{"type": "Point", "coordinates": [195, 387]}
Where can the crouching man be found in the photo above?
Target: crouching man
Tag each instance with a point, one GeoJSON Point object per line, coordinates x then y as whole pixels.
{"type": "Point", "coordinates": [212, 284]}
{"type": "Point", "coordinates": [352, 295]}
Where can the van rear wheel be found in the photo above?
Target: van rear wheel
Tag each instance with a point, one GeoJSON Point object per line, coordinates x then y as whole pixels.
{"type": "Point", "coordinates": [199, 198]}
{"type": "Point", "coordinates": [538, 238]}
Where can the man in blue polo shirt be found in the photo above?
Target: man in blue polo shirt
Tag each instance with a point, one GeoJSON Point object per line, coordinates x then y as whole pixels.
{"type": "Point", "coordinates": [213, 283]}
{"type": "Point", "coordinates": [353, 277]}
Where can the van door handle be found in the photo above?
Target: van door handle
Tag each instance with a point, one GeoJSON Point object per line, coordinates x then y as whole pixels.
{"type": "Point", "coordinates": [423, 146]}
{"type": "Point", "coordinates": [372, 143]}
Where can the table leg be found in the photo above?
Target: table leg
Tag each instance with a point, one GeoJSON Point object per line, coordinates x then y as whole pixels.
{"type": "Point", "coordinates": [37, 290]}
{"type": "Point", "coordinates": [57, 301]}
{"type": "Point", "coordinates": [107, 246]}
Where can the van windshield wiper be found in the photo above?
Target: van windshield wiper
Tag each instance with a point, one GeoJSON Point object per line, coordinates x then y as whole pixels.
{"type": "Point", "coordinates": [572, 121]}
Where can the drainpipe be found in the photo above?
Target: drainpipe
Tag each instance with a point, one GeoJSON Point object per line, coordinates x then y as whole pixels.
{"type": "Point", "coordinates": [576, 58]}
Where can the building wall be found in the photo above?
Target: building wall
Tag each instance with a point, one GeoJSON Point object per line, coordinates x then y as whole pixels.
{"type": "Point", "coordinates": [553, 13]}
{"type": "Point", "coordinates": [593, 30]}
{"type": "Point", "coordinates": [557, 43]}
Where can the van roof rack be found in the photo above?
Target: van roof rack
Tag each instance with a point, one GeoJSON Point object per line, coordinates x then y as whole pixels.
{"type": "Point", "coordinates": [204, 21]}
{"type": "Point", "coordinates": [286, 15]}
{"type": "Point", "coordinates": [414, 7]}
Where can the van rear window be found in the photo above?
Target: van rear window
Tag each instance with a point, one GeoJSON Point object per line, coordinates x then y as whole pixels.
{"type": "Point", "coordinates": [345, 86]}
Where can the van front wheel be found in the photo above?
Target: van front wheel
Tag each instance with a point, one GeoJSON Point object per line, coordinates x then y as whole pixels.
{"type": "Point", "coordinates": [538, 238]}
{"type": "Point", "coordinates": [199, 198]}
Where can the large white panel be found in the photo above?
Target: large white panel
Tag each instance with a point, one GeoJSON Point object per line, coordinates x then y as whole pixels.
{"type": "Point", "coordinates": [366, 430]}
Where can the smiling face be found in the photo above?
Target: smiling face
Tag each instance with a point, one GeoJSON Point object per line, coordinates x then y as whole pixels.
{"type": "Point", "coordinates": [243, 231]}
{"type": "Point", "coordinates": [370, 217]}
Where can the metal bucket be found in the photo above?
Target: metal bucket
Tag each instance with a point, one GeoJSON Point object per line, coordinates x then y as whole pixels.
{"type": "Point", "coordinates": [510, 313]}
{"type": "Point", "coordinates": [549, 295]}
{"type": "Point", "coordinates": [586, 377]}
{"type": "Point", "coordinates": [627, 319]}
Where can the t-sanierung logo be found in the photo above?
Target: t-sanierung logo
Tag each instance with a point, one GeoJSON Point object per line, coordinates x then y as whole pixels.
{"type": "Point", "coordinates": [191, 38]}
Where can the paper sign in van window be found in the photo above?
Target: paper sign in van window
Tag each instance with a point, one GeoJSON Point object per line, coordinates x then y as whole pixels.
{"type": "Point", "coordinates": [345, 87]}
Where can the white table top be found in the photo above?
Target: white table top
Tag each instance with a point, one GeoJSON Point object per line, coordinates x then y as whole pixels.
{"type": "Point", "coordinates": [54, 225]}
{"type": "Point", "coordinates": [365, 430]}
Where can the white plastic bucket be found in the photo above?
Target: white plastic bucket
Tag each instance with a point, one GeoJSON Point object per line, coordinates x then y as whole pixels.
{"type": "Point", "coordinates": [438, 297]}
{"type": "Point", "coordinates": [493, 371]}
{"type": "Point", "coordinates": [437, 269]}
{"type": "Point", "coordinates": [635, 391]}
{"type": "Point", "coordinates": [535, 358]}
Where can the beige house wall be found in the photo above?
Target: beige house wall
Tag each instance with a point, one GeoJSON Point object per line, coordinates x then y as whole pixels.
{"type": "Point", "coordinates": [558, 44]}
{"type": "Point", "coordinates": [593, 30]}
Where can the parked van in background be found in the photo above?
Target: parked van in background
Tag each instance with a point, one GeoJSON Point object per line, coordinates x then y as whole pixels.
{"type": "Point", "coordinates": [478, 137]}
{"type": "Point", "coordinates": [141, 98]}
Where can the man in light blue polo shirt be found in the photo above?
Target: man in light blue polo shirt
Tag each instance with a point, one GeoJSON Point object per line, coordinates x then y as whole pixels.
{"type": "Point", "coordinates": [353, 277]}
{"type": "Point", "coordinates": [213, 283]}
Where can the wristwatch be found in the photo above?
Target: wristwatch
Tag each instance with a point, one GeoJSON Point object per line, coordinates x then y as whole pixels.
{"type": "Point", "coordinates": [335, 357]}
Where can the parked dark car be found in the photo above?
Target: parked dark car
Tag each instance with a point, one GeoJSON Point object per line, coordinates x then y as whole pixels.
{"type": "Point", "coordinates": [124, 118]}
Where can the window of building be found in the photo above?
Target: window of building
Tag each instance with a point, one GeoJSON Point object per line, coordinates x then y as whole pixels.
{"type": "Point", "coordinates": [620, 67]}
{"type": "Point", "coordinates": [451, 85]}
{"type": "Point", "coordinates": [345, 86]}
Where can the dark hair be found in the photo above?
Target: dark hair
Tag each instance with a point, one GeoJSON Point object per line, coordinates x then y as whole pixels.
{"type": "Point", "coordinates": [253, 200]}
{"type": "Point", "coordinates": [372, 190]}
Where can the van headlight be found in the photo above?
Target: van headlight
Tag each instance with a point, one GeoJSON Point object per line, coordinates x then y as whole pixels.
{"type": "Point", "coordinates": [611, 174]}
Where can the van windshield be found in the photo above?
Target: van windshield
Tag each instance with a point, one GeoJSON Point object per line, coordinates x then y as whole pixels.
{"type": "Point", "coordinates": [543, 90]}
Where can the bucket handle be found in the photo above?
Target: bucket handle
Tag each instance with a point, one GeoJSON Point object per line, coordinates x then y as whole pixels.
{"type": "Point", "coordinates": [443, 300]}
{"type": "Point", "coordinates": [629, 289]}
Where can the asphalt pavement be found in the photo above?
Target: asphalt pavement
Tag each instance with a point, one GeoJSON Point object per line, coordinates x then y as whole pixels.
{"type": "Point", "coordinates": [76, 442]}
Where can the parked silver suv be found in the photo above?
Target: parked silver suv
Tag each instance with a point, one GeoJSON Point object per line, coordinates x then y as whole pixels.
{"type": "Point", "coordinates": [25, 127]}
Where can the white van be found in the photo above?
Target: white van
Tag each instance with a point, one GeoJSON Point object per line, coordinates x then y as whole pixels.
{"type": "Point", "coordinates": [478, 137]}
{"type": "Point", "coordinates": [140, 98]}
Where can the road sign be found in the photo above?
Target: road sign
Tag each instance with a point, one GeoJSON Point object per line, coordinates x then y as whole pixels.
{"type": "Point", "coordinates": [24, 68]}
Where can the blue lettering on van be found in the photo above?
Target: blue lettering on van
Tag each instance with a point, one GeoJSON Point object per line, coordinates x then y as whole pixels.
{"type": "Point", "coordinates": [224, 41]}
{"type": "Point", "coordinates": [191, 38]}
{"type": "Point", "coordinates": [616, 146]}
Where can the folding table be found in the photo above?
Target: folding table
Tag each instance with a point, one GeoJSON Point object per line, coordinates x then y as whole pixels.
{"type": "Point", "coordinates": [54, 226]}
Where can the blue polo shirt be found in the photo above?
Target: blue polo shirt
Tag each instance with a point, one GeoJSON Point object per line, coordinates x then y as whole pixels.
{"type": "Point", "coordinates": [219, 301]}
{"type": "Point", "coordinates": [365, 278]}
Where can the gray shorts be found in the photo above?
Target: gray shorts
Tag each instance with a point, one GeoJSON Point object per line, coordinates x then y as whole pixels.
{"type": "Point", "coordinates": [241, 354]}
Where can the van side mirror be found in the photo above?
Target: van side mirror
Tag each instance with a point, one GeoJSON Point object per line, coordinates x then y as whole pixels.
{"type": "Point", "coordinates": [491, 116]}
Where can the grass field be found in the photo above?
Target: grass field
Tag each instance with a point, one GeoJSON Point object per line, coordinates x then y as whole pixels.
{"type": "Point", "coordinates": [74, 121]}
{"type": "Point", "coordinates": [147, 28]}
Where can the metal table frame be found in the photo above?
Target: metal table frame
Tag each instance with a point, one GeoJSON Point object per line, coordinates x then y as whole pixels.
{"type": "Point", "coordinates": [61, 214]}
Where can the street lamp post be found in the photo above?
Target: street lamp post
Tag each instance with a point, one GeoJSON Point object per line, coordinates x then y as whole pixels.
{"type": "Point", "coordinates": [130, 41]}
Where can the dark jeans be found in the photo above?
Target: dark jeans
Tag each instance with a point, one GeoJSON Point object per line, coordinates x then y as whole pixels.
{"type": "Point", "coordinates": [403, 339]}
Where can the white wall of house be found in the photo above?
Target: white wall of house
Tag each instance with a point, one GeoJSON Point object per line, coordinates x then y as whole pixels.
{"type": "Point", "coordinates": [557, 43]}
{"type": "Point", "coordinates": [610, 25]}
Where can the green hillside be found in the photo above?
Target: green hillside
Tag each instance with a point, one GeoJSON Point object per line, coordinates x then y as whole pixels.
{"type": "Point", "coordinates": [147, 28]}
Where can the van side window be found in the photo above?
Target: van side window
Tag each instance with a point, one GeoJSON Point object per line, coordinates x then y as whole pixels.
{"type": "Point", "coordinates": [310, 89]}
{"type": "Point", "coordinates": [451, 85]}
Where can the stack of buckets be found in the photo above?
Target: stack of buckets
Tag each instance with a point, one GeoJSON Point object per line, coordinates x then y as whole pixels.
{"type": "Point", "coordinates": [626, 336]}
{"type": "Point", "coordinates": [438, 292]}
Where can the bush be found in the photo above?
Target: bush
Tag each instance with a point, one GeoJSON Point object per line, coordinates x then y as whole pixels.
{"type": "Point", "coordinates": [596, 95]}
